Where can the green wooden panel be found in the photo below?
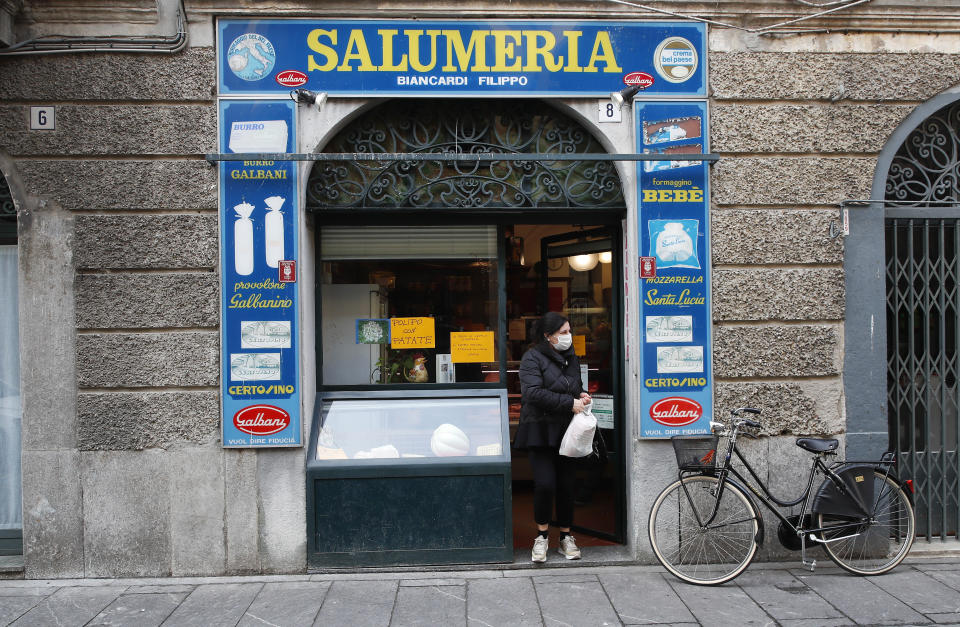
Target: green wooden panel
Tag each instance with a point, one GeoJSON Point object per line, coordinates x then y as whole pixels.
{"type": "Point", "coordinates": [427, 519]}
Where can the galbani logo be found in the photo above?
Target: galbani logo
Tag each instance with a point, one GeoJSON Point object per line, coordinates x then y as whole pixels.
{"type": "Point", "coordinates": [291, 78]}
{"type": "Point", "coordinates": [676, 411]}
{"type": "Point", "coordinates": [261, 419]}
{"type": "Point", "coordinates": [638, 79]}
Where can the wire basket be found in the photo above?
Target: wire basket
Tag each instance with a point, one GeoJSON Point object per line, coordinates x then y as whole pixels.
{"type": "Point", "coordinates": [695, 452]}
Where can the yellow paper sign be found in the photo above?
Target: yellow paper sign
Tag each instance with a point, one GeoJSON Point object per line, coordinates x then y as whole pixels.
{"type": "Point", "coordinates": [580, 345]}
{"type": "Point", "coordinates": [471, 347]}
{"type": "Point", "coordinates": [412, 333]}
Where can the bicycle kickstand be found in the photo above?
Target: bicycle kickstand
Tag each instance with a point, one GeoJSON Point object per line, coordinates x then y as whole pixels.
{"type": "Point", "coordinates": [810, 564]}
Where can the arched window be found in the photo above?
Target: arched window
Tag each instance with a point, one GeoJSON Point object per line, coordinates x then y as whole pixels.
{"type": "Point", "coordinates": [926, 169]}
{"type": "Point", "coordinates": [465, 127]}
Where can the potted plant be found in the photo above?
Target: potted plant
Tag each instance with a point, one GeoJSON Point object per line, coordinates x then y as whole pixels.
{"type": "Point", "coordinates": [401, 366]}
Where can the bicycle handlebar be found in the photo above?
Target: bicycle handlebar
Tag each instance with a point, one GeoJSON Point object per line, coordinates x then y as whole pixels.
{"type": "Point", "coordinates": [738, 421]}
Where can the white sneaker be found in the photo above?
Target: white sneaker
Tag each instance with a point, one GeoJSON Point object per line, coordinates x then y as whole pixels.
{"type": "Point", "coordinates": [568, 548]}
{"type": "Point", "coordinates": [539, 553]}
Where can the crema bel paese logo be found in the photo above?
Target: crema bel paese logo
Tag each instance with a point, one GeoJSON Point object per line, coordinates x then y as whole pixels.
{"type": "Point", "coordinates": [675, 59]}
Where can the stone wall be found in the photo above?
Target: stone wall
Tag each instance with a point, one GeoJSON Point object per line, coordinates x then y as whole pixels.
{"type": "Point", "coordinates": [123, 469]}
{"type": "Point", "coordinates": [136, 483]}
{"type": "Point", "coordinates": [797, 133]}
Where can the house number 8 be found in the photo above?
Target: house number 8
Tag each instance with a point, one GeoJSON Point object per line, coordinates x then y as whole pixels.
{"type": "Point", "coordinates": [608, 112]}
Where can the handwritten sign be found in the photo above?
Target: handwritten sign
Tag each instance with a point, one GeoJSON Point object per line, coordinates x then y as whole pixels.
{"type": "Point", "coordinates": [412, 333]}
{"type": "Point", "coordinates": [471, 347]}
{"type": "Point", "coordinates": [580, 345]}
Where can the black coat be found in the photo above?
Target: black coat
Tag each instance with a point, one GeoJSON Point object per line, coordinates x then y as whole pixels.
{"type": "Point", "coordinates": [549, 383]}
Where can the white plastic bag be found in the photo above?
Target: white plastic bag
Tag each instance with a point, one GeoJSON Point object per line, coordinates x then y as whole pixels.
{"type": "Point", "coordinates": [578, 438]}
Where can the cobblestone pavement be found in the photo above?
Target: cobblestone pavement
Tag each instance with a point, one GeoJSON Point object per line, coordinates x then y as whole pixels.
{"type": "Point", "coordinates": [921, 591]}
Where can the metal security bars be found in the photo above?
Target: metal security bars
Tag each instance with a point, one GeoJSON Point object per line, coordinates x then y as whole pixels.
{"type": "Point", "coordinates": [922, 217]}
{"type": "Point", "coordinates": [923, 326]}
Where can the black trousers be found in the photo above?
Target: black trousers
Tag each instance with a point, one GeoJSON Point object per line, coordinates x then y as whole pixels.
{"type": "Point", "coordinates": [554, 479]}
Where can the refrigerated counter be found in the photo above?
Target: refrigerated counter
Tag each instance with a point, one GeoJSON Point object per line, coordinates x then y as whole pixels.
{"type": "Point", "coordinates": [407, 476]}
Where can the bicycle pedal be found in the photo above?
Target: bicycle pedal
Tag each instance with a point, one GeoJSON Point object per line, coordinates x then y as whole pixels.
{"type": "Point", "coordinates": [811, 565]}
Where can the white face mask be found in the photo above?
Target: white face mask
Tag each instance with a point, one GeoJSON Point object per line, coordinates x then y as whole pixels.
{"type": "Point", "coordinates": [563, 342]}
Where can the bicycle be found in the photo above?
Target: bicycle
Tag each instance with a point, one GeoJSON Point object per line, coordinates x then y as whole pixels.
{"type": "Point", "coordinates": [705, 527]}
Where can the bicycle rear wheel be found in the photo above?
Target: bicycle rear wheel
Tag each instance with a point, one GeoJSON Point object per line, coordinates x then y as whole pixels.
{"type": "Point", "coordinates": [703, 555]}
{"type": "Point", "coordinates": [877, 546]}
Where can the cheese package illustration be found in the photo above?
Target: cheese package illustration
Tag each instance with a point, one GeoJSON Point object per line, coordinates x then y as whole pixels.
{"type": "Point", "coordinates": [673, 243]}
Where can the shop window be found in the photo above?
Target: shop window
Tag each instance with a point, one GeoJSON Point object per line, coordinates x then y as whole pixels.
{"type": "Point", "coordinates": [404, 304]}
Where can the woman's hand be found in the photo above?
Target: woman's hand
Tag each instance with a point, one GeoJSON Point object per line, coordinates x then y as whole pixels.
{"type": "Point", "coordinates": [585, 398]}
{"type": "Point", "coordinates": [578, 405]}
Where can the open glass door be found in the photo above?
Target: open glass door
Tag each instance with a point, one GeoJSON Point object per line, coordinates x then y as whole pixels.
{"type": "Point", "coordinates": [581, 277]}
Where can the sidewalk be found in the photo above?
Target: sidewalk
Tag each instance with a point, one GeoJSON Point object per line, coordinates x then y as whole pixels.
{"type": "Point", "coordinates": [920, 591]}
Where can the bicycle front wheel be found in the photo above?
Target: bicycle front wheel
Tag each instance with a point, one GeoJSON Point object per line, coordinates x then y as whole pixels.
{"type": "Point", "coordinates": [694, 550]}
{"type": "Point", "coordinates": [878, 545]}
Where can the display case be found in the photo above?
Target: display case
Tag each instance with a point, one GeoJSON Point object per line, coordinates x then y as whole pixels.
{"type": "Point", "coordinates": [409, 477]}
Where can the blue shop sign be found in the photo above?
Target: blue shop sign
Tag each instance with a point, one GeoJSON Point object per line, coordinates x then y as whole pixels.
{"type": "Point", "coordinates": [438, 58]}
{"type": "Point", "coordinates": [258, 252]}
{"type": "Point", "coordinates": [677, 380]}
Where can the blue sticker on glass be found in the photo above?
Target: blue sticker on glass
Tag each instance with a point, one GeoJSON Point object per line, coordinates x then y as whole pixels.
{"type": "Point", "coordinates": [674, 243]}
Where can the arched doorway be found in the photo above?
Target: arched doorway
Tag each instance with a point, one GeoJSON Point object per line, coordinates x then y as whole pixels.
{"type": "Point", "coordinates": [478, 246]}
{"type": "Point", "coordinates": [922, 242]}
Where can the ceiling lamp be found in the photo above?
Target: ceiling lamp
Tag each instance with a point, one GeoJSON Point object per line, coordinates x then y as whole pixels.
{"type": "Point", "coordinates": [606, 256]}
{"type": "Point", "coordinates": [582, 263]}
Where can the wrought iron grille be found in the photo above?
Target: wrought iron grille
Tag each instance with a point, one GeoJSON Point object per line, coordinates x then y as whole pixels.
{"type": "Point", "coordinates": [923, 326]}
{"type": "Point", "coordinates": [467, 127]}
{"type": "Point", "coordinates": [8, 214]}
{"type": "Point", "coordinates": [926, 169]}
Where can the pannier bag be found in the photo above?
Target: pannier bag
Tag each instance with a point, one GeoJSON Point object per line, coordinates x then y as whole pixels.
{"type": "Point", "coordinates": [858, 500]}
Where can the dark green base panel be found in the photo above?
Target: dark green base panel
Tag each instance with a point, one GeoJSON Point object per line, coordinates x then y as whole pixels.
{"type": "Point", "coordinates": [11, 542]}
{"type": "Point", "coordinates": [380, 521]}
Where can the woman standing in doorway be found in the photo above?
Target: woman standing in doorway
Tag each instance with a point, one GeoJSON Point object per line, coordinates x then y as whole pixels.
{"type": "Point", "coordinates": [552, 393]}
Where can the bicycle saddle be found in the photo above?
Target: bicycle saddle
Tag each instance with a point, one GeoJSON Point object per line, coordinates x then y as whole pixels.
{"type": "Point", "coordinates": [816, 445]}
